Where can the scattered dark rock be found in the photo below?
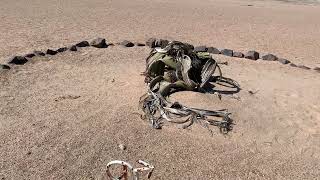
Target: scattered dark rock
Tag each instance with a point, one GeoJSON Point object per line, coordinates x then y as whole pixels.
{"type": "Point", "coordinates": [253, 55]}
{"type": "Point", "coordinates": [227, 52]}
{"type": "Point", "coordinates": [39, 53]}
{"type": "Point", "coordinates": [151, 42]}
{"type": "Point", "coordinates": [293, 65]}
{"type": "Point", "coordinates": [140, 44]}
{"type": "Point", "coordinates": [30, 55]}
{"type": "Point", "coordinates": [213, 50]}
{"type": "Point", "coordinates": [269, 57]}
{"type": "Point", "coordinates": [18, 60]}
{"type": "Point", "coordinates": [51, 52]}
{"type": "Point", "coordinates": [83, 44]}
{"type": "Point", "coordinates": [161, 43]}
{"type": "Point", "coordinates": [284, 61]}
{"type": "Point", "coordinates": [29, 153]}
{"type": "Point", "coordinates": [63, 49]}
{"type": "Point", "coordinates": [73, 48]}
{"type": "Point", "coordinates": [111, 44]}
{"type": "Point", "coordinates": [4, 67]}
{"type": "Point", "coordinates": [99, 43]}
{"type": "Point", "coordinates": [200, 49]}
{"type": "Point", "coordinates": [304, 67]}
{"type": "Point", "coordinates": [317, 69]}
{"type": "Point", "coordinates": [238, 54]}
{"type": "Point", "coordinates": [127, 43]}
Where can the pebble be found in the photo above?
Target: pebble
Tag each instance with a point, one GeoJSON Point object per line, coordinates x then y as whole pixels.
{"type": "Point", "coordinates": [51, 52]}
{"type": "Point", "coordinates": [283, 61]}
{"type": "Point", "coordinates": [253, 55]}
{"type": "Point", "coordinates": [213, 50]}
{"type": "Point", "coordinates": [30, 55]}
{"type": "Point", "coordinates": [269, 57]}
{"type": "Point", "coordinates": [99, 43]}
{"type": "Point", "coordinates": [122, 147]}
{"type": "Point", "coordinates": [63, 49]}
{"type": "Point", "coordinates": [127, 43]}
{"type": "Point", "coordinates": [227, 52]}
{"type": "Point", "coordinates": [4, 67]}
{"type": "Point", "coordinates": [200, 49]}
{"type": "Point", "coordinates": [73, 48]}
{"type": "Point", "coordinates": [83, 44]}
{"type": "Point", "coordinates": [238, 54]}
{"type": "Point", "coordinates": [39, 53]}
{"type": "Point", "coordinates": [18, 60]}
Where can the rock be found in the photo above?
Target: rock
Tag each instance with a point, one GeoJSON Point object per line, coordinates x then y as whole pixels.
{"type": "Point", "coordinates": [238, 54]}
{"type": "Point", "coordinates": [18, 60]}
{"type": "Point", "coordinates": [73, 48]}
{"type": "Point", "coordinates": [227, 52]}
{"type": "Point", "coordinates": [253, 55]}
{"type": "Point", "coordinates": [122, 147]}
{"type": "Point", "coordinates": [39, 53]}
{"type": "Point", "coordinates": [99, 43]}
{"type": "Point", "coordinates": [51, 52]}
{"type": "Point", "coordinates": [63, 49]}
{"type": "Point", "coordinates": [151, 42]}
{"type": "Point", "coordinates": [293, 65]}
{"type": "Point", "coordinates": [317, 69]}
{"type": "Point", "coordinates": [283, 61]}
{"type": "Point", "coordinates": [200, 49]}
{"type": "Point", "coordinates": [4, 67]}
{"type": "Point", "coordinates": [83, 44]}
{"type": "Point", "coordinates": [139, 44]}
{"type": "Point", "coordinates": [269, 57]}
{"type": "Point", "coordinates": [304, 67]}
{"type": "Point", "coordinates": [30, 55]}
{"type": "Point", "coordinates": [161, 43]}
{"type": "Point", "coordinates": [213, 50]}
{"type": "Point", "coordinates": [126, 43]}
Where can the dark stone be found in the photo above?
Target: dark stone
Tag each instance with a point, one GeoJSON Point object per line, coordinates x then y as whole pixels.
{"type": "Point", "coordinates": [284, 61]}
{"type": "Point", "coordinates": [4, 67]}
{"type": "Point", "coordinates": [30, 55]}
{"type": "Point", "coordinates": [51, 52]}
{"type": "Point", "coordinates": [140, 44]}
{"type": "Point", "coordinates": [227, 52]}
{"type": "Point", "coordinates": [253, 55]}
{"type": "Point", "coordinates": [213, 50]}
{"type": "Point", "coordinates": [18, 60]}
{"type": "Point", "coordinates": [73, 48]}
{"type": "Point", "coordinates": [161, 43]}
{"type": "Point", "coordinates": [39, 53]}
{"type": "Point", "coordinates": [304, 67]}
{"type": "Point", "coordinates": [200, 49]}
{"type": "Point", "coordinates": [293, 65]}
{"type": "Point", "coordinates": [63, 49]}
{"type": "Point", "coordinates": [269, 57]}
{"type": "Point", "coordinates": [83, 44]}
{"type": "Point", "coordinates": [151, 42]}
{"type": "Point", "coordinates": [99, 43]}
{"type": "Point", "coordinates": [238, 54]}
{"type": "Point", "coordinates": [317, 69]}
{"type": "Point", "coordinates": [126, 43]}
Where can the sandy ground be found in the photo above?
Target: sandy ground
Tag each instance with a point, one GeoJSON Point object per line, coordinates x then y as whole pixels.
{"type": "Point", "coordinates": [63, 117]}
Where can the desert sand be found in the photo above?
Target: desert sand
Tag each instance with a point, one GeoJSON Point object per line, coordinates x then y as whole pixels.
{"type": "Point", "coordinates": [64, 116]}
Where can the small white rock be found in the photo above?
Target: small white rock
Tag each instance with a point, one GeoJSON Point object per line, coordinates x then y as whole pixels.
{"type": "Point", "coordinates": [122, 147]}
